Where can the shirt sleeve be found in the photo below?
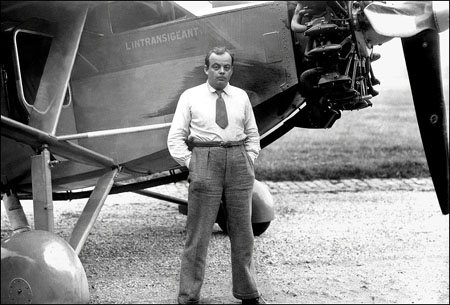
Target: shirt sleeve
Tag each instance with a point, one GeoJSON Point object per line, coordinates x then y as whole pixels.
{"type": "Point", "coordinates": [179, 132]}
{"type": "Point", "coordinates": [252, 143]}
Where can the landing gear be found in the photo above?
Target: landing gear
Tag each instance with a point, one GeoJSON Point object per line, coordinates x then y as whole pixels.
{"type": "Point", "coordinates": [262, 210]}
{"type": "Point", "coordinates": [258, 227]}
{"type": "Point", "coordinates": [39, 267]}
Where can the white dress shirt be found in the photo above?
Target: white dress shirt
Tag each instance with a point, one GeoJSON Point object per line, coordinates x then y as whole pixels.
{"type": "Point", "coordinates": [195, 119]}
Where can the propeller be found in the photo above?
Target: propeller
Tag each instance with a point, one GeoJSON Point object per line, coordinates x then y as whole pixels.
{"type": "Point", "coordinates": [423, 65]}
{"type": "Point", "coordinates": [418, 24]}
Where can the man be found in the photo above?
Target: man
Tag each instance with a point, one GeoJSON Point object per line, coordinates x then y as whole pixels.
{"type": "Point", "coordinates": [224, 147]}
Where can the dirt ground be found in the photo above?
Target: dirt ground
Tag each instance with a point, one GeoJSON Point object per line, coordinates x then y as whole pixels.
{"type": "Point", "coordinates": [323, 247]}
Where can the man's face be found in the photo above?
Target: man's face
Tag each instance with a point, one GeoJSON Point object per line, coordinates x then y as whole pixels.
{"type": "Point", "coordinates": [219, 71]}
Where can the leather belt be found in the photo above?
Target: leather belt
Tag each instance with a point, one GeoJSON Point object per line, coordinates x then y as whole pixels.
{"type": "Point", "coordinates": [217, 143]}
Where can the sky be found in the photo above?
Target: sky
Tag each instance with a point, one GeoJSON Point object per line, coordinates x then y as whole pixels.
{"type": "Point", "coordinates": [391, 66]}
{"type": "Point", "coordinates": [390, 69]}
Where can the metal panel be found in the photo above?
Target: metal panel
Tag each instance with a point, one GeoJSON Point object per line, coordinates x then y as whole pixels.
{"type": "Point", "coordinates": [272, 47]}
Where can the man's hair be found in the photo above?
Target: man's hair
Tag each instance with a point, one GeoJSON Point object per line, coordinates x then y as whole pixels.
{"type": "Point", "coordinates": [218, 51]}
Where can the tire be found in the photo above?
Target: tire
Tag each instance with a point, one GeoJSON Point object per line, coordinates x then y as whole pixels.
{"type": "Point", "coordinates": [258, 228]}
{"type": "Point", "coordinates": [221, 220]}
{"type": "Point", "coordinates": [182, 209]}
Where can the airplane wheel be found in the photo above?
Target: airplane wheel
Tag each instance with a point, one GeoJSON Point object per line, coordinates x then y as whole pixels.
{"type": "Point", "coordinates": [182, 209]}
{"type": "Point", "coordinates": [258, 228]}
{"type": "Point", "coordinates": [40, 267]}
{"type": "Point", "coordinates": [223, 227]}
{"type": "Point", "coordinates": [221, 220]}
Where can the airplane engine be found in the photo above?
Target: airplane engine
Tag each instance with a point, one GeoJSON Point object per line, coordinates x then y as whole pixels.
{"type": "Point", "coordinates": [336, 69]}
{"type": "Point", "coordinates": [40, 267]}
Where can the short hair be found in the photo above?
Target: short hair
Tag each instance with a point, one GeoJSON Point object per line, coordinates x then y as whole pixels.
{"type": "Point", "coordinates": [218, 51]}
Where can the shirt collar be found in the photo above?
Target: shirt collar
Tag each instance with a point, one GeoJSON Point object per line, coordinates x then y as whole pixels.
{"type": "Point", "coordinates": [212, 90]}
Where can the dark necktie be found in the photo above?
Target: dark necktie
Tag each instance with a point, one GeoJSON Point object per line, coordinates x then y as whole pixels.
{"type": "Point", "coordinates": [221, 111]}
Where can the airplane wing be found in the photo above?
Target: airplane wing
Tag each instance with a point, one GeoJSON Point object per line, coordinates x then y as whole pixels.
{"type": "Point", "coordinates": [36, 138]}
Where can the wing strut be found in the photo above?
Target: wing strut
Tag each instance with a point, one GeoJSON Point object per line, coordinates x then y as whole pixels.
{"type": "Point", "coordinates": [58, 68]}
{"type": "Point", "coordinates": [42, 191]}
{"type": "Point", "coordinates": [92, 210]}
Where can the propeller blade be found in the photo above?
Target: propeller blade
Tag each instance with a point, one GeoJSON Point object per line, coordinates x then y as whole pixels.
{"type": "Point", "coordinates": [423, 64]}
{"type": "Point", "coordinates": [407, 18]}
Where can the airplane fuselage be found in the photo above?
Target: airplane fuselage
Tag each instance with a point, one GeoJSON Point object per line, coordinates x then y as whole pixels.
{"type": "Point", "coordinates": [129, 74]}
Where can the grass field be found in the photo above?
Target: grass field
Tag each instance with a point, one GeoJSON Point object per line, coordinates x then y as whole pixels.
{"type": "Point", "coordinates": [378, 142]}
{"type": "Point", "coordinates": [382, 141]}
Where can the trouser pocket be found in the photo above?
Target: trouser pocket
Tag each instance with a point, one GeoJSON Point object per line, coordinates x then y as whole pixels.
{"type": "Point", "coordinates": [248, 162]}
{"type": "Point", "coordinates": [199, 166]}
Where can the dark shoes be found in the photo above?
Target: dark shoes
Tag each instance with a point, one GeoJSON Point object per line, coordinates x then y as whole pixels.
{"type": "Point", "coordinates": [259, 300]}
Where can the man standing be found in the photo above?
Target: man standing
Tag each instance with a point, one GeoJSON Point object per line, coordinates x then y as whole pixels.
{"type": "Point", "coordinates": [217, 120]}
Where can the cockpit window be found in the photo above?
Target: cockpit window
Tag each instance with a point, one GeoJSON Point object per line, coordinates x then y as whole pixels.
{"type": "Point", "coordinates": [130, 15]}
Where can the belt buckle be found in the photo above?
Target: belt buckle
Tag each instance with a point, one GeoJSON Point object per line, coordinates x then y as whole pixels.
{"type": "Point", "coordinates": [224, 144]}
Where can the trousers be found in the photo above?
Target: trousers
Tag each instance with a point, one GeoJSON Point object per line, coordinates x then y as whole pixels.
{"type": "Point", "coordinates": [218, 174]}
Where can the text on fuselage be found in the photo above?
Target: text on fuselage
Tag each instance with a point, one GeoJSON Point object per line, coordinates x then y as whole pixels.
{"type": "Point", "coordinates": [162, 38]}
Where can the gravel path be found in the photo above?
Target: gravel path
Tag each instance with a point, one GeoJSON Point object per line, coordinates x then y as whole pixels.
{"type": "Point", "coordinates": [363, 244]}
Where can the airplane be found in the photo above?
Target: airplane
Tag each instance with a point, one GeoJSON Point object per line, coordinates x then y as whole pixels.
{"type": "Point", "coordinates": [89, 89]}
